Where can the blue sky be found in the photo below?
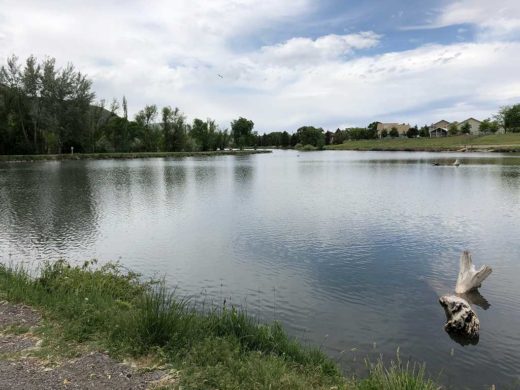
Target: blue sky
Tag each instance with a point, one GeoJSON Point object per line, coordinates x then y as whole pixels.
{"type": "Point", "coordinates": [284, 64]}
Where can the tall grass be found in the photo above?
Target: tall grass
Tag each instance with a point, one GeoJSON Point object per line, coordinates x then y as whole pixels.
{"type": "Point", "coordinates": [219, 348]}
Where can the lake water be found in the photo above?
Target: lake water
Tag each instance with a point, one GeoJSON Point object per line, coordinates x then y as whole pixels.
{"type": "Point", "coordinates": [349, 250]}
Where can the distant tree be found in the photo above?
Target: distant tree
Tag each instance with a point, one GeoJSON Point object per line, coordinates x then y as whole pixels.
{"type": "Point", "coordinates": [373, 126]}
{"type": "Point", "coordinates": [285, 140]}
{"type": "Point", "coordinates": [310, 135]}
{"type": "Point", "coordinates": [393, 132]}
{"type": "Point", "coordinates": [241, 130]}
{"type": "Point", "coordinates": [167, 128]}
{"type": "Point", "coordinates": [488, 126]}
{"type": "Point", "coordinates": [384, 133]}
{"type": "Point", "coordinates": [424, 131]}
{"type": "Point", "coordinates": [453, 129]}
{"type": "Point", "coordinates": [465, 128]}
{"type": "Point", "coordinates": [412, 132]}
{"type": "Point", "coordinates": [509, 118]}
{"type": "Point", "coordinates": [329, 135]}
{"type": "Point", "coordinates": [145, 120]}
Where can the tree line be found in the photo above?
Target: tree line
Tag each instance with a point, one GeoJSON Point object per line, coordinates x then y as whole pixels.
{"type": "Point", "coordinates": [45, 109]}
{"type": "Point", "coordinates": [508, 118]}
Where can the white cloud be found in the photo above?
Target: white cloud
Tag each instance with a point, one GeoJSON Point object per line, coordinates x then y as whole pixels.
{"type": "Point", "coordinates": [170, 53]}
{"type": "Point", "coordinates": [305, 51]}
{"type": "Point", "coordinates": [498, 19]}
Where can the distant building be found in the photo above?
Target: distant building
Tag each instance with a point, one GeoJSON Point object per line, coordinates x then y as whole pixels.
{"type": "Point", "coordinates": [474, 125]}
{"type": "Point", "coordinates": [402, 128]}
{"type": "Point", "coordinates": [439, 129]}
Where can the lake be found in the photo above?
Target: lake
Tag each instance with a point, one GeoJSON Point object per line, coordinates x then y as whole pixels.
{"type": "Point", "coordinates": [350, 251]}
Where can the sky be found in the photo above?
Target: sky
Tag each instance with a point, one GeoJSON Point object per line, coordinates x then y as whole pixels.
{"type": "Point", "coordinates": [283, 64]}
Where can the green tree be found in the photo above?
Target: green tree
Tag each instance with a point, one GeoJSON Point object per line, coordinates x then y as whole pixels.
{"type": "Point", "coordinates": [488, 126]}
{"type": "Point", "coordinates": [394, 133]}
{"type": "Point", "coordinates": [241, 130]}
{"type": "Point", "coordinates": [424, 131]}
{"type": "Point", "coordinates": [285, 139]}
{"type": "Point", "coordinates": [145, 120]}
{"type": "Point", "coordinates": [453, 129]}
{"type": "Point", "coordinates": [412, 132]}
{"type": "Point", "coordinates": [310, 135]}
{"type": "Point", "coordinates": [465, 128]}
{"type": "Point", "coordinates": [384, 133]}
{"type": "Point", "coordinates": [509, 118]}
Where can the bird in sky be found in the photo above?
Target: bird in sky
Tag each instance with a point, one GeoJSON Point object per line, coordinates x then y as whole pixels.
{"type": "Point", "coordinates": [219, 75]}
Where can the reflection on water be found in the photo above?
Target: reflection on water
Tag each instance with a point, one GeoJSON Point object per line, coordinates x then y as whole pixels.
{"type": "Point", "coordinates": [475, 298]}
{"type": "Point", "coordinates": [349, 250]}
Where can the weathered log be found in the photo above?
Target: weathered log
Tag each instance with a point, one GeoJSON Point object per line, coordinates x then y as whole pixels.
{"type": "Point", "coordinates": [462, 322]}
{"type": "Point", "coordinates": [469, 278]}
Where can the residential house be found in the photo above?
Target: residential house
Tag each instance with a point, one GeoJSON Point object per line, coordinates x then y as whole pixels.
{"type": "Point", "coordinates": [439, 129]}
{"type": "Point", "coordinates": [474, 125]}
{"type": "Point", "coordinates": [402, 128]}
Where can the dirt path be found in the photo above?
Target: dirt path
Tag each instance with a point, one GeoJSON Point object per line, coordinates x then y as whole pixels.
{"type": "Point", "coordinates": [93, 370]}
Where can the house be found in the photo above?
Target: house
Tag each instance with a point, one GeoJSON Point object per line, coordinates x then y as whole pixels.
{"type": "Point", "coordinates": [438, 132]}
{"type": "Point", "coordinates": [439, 129]}
{"type": "Point", "coordinates": [402, 128]}
{"type": "Point", "coordinates": [474, 125]}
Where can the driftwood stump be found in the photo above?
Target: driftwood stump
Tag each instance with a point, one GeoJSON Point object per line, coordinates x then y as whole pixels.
{"type": "Point", "coordinates": [462, 322]}
{"type": "Point", "coordinates": [469, 278]}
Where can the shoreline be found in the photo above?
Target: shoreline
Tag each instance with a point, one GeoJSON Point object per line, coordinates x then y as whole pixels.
{"type": "Point", "coordinates": [73, 310]}
{"type": "Point", "coordinates": [123, 156]}
{"type": "Point", "coordinates": [495, 143]}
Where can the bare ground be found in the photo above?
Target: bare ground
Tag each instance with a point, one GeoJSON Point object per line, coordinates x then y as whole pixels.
{"type": "Point", "coordinates": [93, 370]}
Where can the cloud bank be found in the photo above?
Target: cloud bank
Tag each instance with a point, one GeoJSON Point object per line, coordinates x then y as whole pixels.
{"type": "Point", "coordinates": [171, 53]}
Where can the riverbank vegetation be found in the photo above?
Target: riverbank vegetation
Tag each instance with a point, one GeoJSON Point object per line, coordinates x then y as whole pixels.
{"type": "Point", "coordinates": [49, 110]}
{"type": "Point", "coordinates": [112, 309]}
{"type": "Point", "coordinates": [120, 156]}
{"type": "Point", "coordinates": [509, 142]}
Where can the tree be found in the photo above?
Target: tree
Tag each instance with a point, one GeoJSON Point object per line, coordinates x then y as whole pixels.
{"type": "Point", "coordinates": [241, 130]}
{"type": "Point", "coordinates": [453, 129]}
{"type": "Point", "coordinates": [393, 132]}
{"type": "Point", "coordinates": [412, 132]}
{"type": "Point", "coordinates": [509, 118]}
{"type": "Point", "coordinates": [488, 126]}
{"type": "Point", "coordinates": [144, 120]}
{"type": "Point", "coordinates": [44, 109]}
{"type": "Point", "coordinates": [310, 135]}
{"type": "Point", "coordinates": [424, 131]}
{"type": "Point", "coordinates": [465, 128]}
{"type": "Point", "coordinates": [285, 140]}
{"type": "Point", "coordinates": [384, 133]}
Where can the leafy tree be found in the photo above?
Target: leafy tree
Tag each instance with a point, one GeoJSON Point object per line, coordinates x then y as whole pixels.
{"type": "Point", "coordinates": [285, 140]}
{"type": "Point", "coordinates": [310, 135]}
{"type": "Point", "coordinates": [394, 133]}
{"type": "Point", "coordinates": [453, 129]}
{"type": "Point", "coordinates": [509, 118]}
{"type": "Point", "coordinates": [412, 132]}
{"type": "Point", "coordinates": [488, 126]}
{"type": "Point", "coordinates": [339, 137]}
{"type": "Point", "coordinates": [241, 130]}
{"type": "Point", "coordinates": [465, 128]}
{"type": "Point", "coordinates": [384, 133]}
{"type": "Point", "coordinates": [424, 131]}
{"type": "Point", "coordinates": [145, 120]}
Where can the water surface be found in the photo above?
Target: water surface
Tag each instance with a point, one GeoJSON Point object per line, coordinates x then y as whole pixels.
{"type": "Point", "coordinates": [349, 250]}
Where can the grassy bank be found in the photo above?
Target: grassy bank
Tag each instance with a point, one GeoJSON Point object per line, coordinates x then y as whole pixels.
{"type": "Point", "coordinates": [494, 143]}
{"type": "Point", "coordinates": [102, 156]}
{"type": "Point", "coordinates": [111, 309]}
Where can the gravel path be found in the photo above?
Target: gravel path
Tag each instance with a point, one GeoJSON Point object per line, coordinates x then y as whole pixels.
{"type": "Point", "coordinates": [94, 370]}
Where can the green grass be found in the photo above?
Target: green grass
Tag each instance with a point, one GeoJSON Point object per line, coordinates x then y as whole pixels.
{"type": "Point", "coordinates": [497, 142]}
{"type": "Point", "coordinates": [113, 309]}
{"type": "Point", "coordinates": [102, 156]}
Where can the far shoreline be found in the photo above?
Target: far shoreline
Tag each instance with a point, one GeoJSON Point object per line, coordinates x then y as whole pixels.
{"type": "Point", "coordinates": [496, 143]}
{"type": "Point", "coordinates": [125, 156]}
